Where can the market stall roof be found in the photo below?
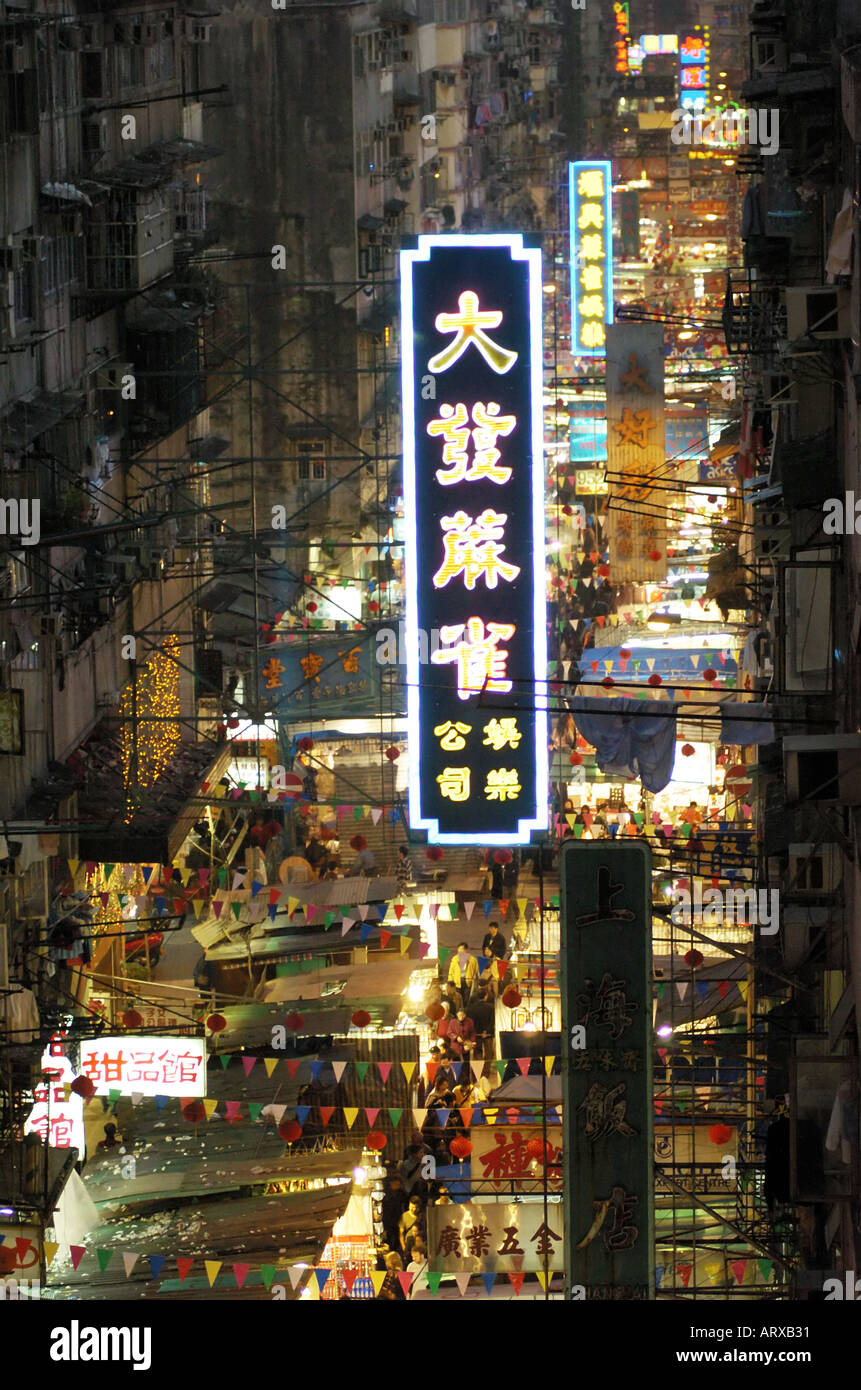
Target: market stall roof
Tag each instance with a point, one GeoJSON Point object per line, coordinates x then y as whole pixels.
{"type": "Point", "coordinates": [670, 663]}
{"type": "Point", "coordinates": [527, 1089]}
{"type": "Point", "coordinates": [376, 979]}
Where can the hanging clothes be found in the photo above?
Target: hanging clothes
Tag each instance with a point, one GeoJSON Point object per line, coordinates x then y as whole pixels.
{"type": "Point", "coordinates": [631, 738]}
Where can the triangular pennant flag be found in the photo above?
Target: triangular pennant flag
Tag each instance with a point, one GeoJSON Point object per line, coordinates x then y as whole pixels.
{"type": "Point", "coordinates": [500, 1065]}
{"type": "Point", "coordinates": [523, 1063]}
{"type": "Point", "coordinates": [50, 1247]}
{"type": "Point", "coordinates": [384, 1068]}
{"type": "Point", "coordinates": [477, 1069]}
{"type": "Point", "coordinates": [548, 1065]}
{"type": "Point", "coordinates": [462, 1281]}
{"type": "Point", "coordinates": [302, 1113]}
{"type": "Point", "coordinates": [766, 1269]}
{"type": "Point", "coordinates": [104, 1258]}
{"type": "Point", "coordinates": [210, 1107]}
{"type": "Point", "coordinates": [293, 1065]}
{"type": "Point", "coordinates": [385, 938]}
{"type": "Point", "coordinates": [433, 1277]}
{"type": "Point", "coordinates": [442, 1117]}
{"type": "Point", "coordinates": [349, 1277]}
{"type": "Point", "coordinates": [408, 1068]}
{"type": "Point", "coordinates": [77, 1252]}
{"type": "Point", "coordinates": [739, 1269]}
{"type": "Point", "coordinates": [224, 1059]}
{"type": "Point", "coordinates": [469, 908]}
{"type": "Point", "coordinates": [544, 1277]}
{"type": "Point", "coordinates": [377, 1279]}
{"type": "Point", "coordinates": [254, 1109]}
{"type": "Point", "coordinates": [405, 1279]}
{"type": "Point", "coordinates": [270, 1063]}
{"type": "Point", "coordinates": [372, 1115]}
{"type": "Point", "coordinates": [326, 1113]}
{"type": "Point", "coordinates": [350, 1113]}
{"type": "Point", "coordinates": [395, 1115]}
{"type": "Point", "coordinates": [487, 905]}
{"type": "Point", "coordinates": [183, 1265]}
{"type": "Point", "coordinates": [267, 1274]}
{"type": "Point", "coordinates": [488, 1280]}
{"type": "Point", "coordinates": [212, 1268]}
{"type": "Point", "coordinates": [240, 1273]}
{"type": "Point", "coordinates": [322, 1275]}
{"type": "Point", "coordinates": [248, 1064]}
{"type": "Point", "coordinates": [129, 1261]}
{"type": "Point", "coordinates": [156, 1263]}
{"type": "Point", "coordinates": [516, 1281]}
{"type": "Point", "coordinates": [419, 1115]}
{"type": "Point", "coordinates": [361, 1070]}
{"type": "Point", "coordinates": [405, 945]}
{"type": "Point", "coordinates": [338, 1068]}
{"type": "Point", "coordinates": [466, 1113]}
{"type": "Point", "coordinates": [346, 924]}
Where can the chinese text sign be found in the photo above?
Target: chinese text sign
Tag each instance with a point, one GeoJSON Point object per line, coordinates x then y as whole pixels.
{"type": "Point", "coordinates": [473, 500]}
{"type": "Point", "coordinates": [590, 209]}
{"type": "Point", "coordinates": [607, 1069]}
{"type": "Point", "coordinates": [146, 1066]}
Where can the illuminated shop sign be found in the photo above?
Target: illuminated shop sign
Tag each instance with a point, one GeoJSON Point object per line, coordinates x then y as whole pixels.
{"type": "Point", "coordinates": [474, 524]}
{"type": "Point", "coordinates": [58, 1114]}
{"type": "Point", "coordinates": [146, 1066]}
{"type": "Point", "coordinates": [591, 231]}
{"type": "Point", "coordinates": [694, 71]}
{"type": "Point", "coordinates": [623, 30]}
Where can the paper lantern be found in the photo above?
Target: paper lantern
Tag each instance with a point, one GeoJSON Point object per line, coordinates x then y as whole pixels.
{"type": "Point", "coordinates": [305, 745]}
{"type": "Point", "coordinates": [502, 856]}
{"type": "Point", "coordinates": [132, 1019]}
{"type": "Point", "coordinates": [688, 750]}
{"type": "Point", "coordinates": [435, 1012]}
{"type": "Point", "coordinates": [376, 1139]}
{"type": "Point", "coordinates": [720, 1134]}
{"type": "Point", "coordinates": [567, 511]}
{"type": "Point", "coordinates": [360, 1019]}
{"type": "Point", "coordinates": [603, 571]}
{"type": "Point", "coordinates": [193, 1112]}
{"type": "Point", "coordinates": [434, 854]}
{"type": "Point", "coordinates": [312, 607]}
{"type": "Point", "coordinates": [511, 997]}
{"type": "Point", "coordinates": [654, 556]}
{"type": "Point", "coordinates": [393, 754]}
{"type": "Point", "coordinates": [358, 843]}
{"type": "Point", "coordinates": [608, 681]}
{"type": "Point", "coordinates": [694, 959]}
{"type": "Point", "coordinates": [233, 722]}
{"type": "Point", "coordinates": [460, 1147]}
{"type": "Point", "coordinates": [537, 1150]}
{"type": "Point", "coordinates": [709, 674]}
{"type": "Point", "coordinates": [373, 606]}
{"type": "Point", "coordinates": [83, 1086]}
{"type": "Point", "coordinates": [736, 771]}
{"type": "Point", "coordinates": [655, 679]}
{"type": "Point", "coordinates": [624, 653]}
{"type": "Point", "coordinates": [216, 1023]}
{"type": "Point", "coordinates": [576, 759]}
{"type": "Point", "coordinates": [293, 1022]}
{"type": "Point", "coordinates": [290, 1131]}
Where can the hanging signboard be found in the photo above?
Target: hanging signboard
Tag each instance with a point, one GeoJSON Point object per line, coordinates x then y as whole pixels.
{"type": "Point", "coordinates": [146, 1066]}
{"type": "Point", "coordinates": [504, 1158]}
{"type": "Point", "coordinates": [474, 548]}
{"type": "Point", "coordinates": [636, 523]}
{"type": "Point", "coordinates": [325, 675]}
{"type": "Point", "coordinates": [607, 1069]}
{"type": "Point", "coordinates": [56, 1117]}
{"type": "Point", "coordinates": [590, 213]}
{"type": "Point", "coordinates": [499, 1236]}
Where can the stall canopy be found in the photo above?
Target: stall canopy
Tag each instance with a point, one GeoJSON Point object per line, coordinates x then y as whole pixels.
{"type": "Point", "coordinates": [670, 663]}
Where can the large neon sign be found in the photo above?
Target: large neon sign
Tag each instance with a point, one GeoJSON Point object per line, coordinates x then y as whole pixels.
{"type": "Point", "coordinates": [474, 524]}
{"type": "Point", "coordinates": [590, 211]}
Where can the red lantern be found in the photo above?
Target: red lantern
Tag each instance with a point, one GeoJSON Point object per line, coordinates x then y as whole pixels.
{"type": "Point", "coordinates": [576, 759]}
{"type": "Point", "coordinates": [655, 679]}
{"type": "Point", "coordinates": [376, 1139]}
{"type": "Point", "coordinates": [312, 607]}
{"type": "Point", "coordinates": [694, 959]}
{"type": "Point", "coordinates": [461, 1147]}
{"type": "Point", "coordinates": [305, 745]}
{"type": "Point", "coordinates": [393, 754]}
{"type": "Point", "coordinates": [709, 674]}
{"type": "Point", "coordinates": [688, 750]}
{"type": "Point", "coordinates": [654, 556]}
{"type": "Point", "coordinates": [360, 1019]}
{"type": "Point", "coordinates": [567, 511]}
{"type": "Point", "coordinates": [608, 681]}
{"type": "Point", "coordinates": [603, 571]}
{"type": "Point", "coordinates": [132, 1019]}
{"type": "Point", "coordinates": [293, 1022]}
{"type": "Point", "coordinates": [373, 606]}
{"type": "Point", "coordinates": [233, 722]}
{"type": "Point", "coordinates": [290, 1131]}
{"type": "Point", "coordinates": [737, 771]}
{"type": "Point", "coordinates": [720, 1134]}
{"type": "Point", "coordinates": [83, 1086]}
{"type": "Point", "coordinates": [193, 1112]}
{"type": "Point", "coordinates": [216, 1023]}
{"type": "Point", "coordinates": [435, 1012]}
{"type": "Point", "coordinates": [358, 843]}
{"type": "Point", "coordinates": [434, 854]}
{"type": "Point", "coordinates": [502, 856]}
{"type": "Point", "coordinates": [537, 1150]}
{"type": "Point", "coordinates": [624, 653]}
{"type": "Point", "coordinates": [511, 997]}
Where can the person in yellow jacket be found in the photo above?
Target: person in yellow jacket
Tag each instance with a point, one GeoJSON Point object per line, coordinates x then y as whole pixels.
{"type": "Point", "coordinates": [463, 970]}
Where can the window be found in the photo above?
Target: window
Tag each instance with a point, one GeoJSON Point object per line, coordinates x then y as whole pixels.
{"type": "Point", "coordinates": [61, 262]}
{"type": "Point", "coordinates": [312, 460]}
{"type": "Point", "coordinates": [23, 284]}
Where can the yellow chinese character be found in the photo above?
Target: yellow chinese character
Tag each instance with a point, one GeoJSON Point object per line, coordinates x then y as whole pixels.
{"type": "Point", "coordinates": [451, 736]}
{"type": "Point", "coordinates": [590, 183]}
{"type": "Point", "coordinates": [592, 247]}
{"type": "Point", "coordinates": [502, 785]}
{"type": "Point", "coordinates": [272, 672]}
{"type": "Point", "coordinates": [634, 427]}
{"type": "Point", "coordinates": [311, 665]}
{"type": "Point", "coordinates": [468, 326]}
{"type": "Point", "coordinates": [454, 783]}
{"type": "Point", "coordinates": [480, 664]}
{"type": "Point", "coordinates": [592, 307]}
{"type": "Point", "coordinates": [453, 427]}
{"type": "Point", "coordinates": [591, 215]}
{"type": "Point", "coordinates": [501, 732]}
{"type": "Point", "coordinates": [350, 659]}
{"type": "Point", "coordinates": [489, 424]}
{"type": "Point", "coordinates": [592, 277]}
{"type": "Point", "coordinates": [593, 334]}
{"type": "Point", "coordinates": [634, 379]}
{"type": "Point", "coordinates": [471, 549]}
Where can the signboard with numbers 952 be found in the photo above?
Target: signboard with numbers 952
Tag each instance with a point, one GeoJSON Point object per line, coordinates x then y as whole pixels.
{"type": "Point", "coordinates": [474, 510]}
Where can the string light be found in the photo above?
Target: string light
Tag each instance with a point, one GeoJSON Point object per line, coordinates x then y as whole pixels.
{"type": "Point", "coordinates": [149, 710]}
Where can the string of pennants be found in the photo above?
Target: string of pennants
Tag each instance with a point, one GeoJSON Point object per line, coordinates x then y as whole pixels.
{"type": "Point", "coordinates": [317, 1276]}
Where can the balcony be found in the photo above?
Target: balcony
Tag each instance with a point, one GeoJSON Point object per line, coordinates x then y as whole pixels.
{"type": "Point", "coordinates": [405, 85]}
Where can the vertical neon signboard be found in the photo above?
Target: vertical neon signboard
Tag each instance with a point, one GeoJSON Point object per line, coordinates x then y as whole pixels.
{"type": "Point", "coordinates": [474, 524]}
{"type": "Point", "coordinates": [590, 211]}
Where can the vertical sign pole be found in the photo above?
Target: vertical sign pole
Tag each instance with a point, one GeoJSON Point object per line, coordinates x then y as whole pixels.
{"type": "Point", "coordinates": [606, 901]}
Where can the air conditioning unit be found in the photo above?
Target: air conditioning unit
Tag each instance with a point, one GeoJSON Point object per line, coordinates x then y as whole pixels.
{"type": "Point", "coordinates": [823, 768]}
{"type": "Point", "coordinates": [814, 869]}
{"type": "Point", "coordinates": [821, 313]}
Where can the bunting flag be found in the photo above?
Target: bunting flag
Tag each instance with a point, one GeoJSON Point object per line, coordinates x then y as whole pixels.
{"type": "Point", "coordinates": [129, 1261]}
{"type": "Point", "coordinates": [104, 1258]}
{"type": "Point", "coordinates": [248, 1064]}
{"type": "Point", "coordinates": [372, 1115]}
{"type": "Point", "coordinates": [50, 1248]}
{"type": "Point", "coordinates": [326, 1113]}
{"type": "Point", "coordinates": [240, 1273]}
{"type": "Point", "coordinates": [350, 1114]}
{"type": "Point", "coordinates": [395, 1115]}
{"type": "Point", "coordinates": [384, 1069]}
{"type": "Point", "coordinates": [183, 1265]}
{"type": "Point", "coordinates": [516, 1281]}
{"type": "Point", "coordinates": [212, 1268]}
{"type": "Point", "coordinates": [433, 1278]}
{"type": "Point", "coordinates": [361, 1070]}
{"type": "Point", "coordinates": [408, 1068]}
{"type": "Point", "coordinates": [462, 1281]}
{"type": "Point", "coordinates": [270, 1063]}
{"type": "Point", "coordinates": [156, 1264]}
